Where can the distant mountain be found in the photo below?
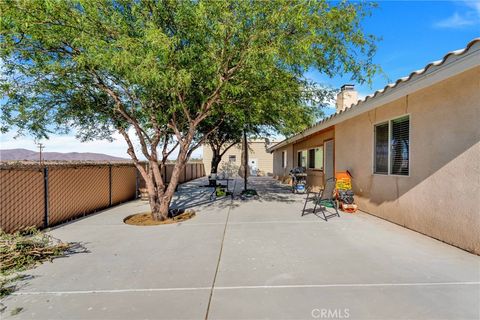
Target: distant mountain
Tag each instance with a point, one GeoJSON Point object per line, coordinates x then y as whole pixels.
{"type": "Point", "coordinates": [28, 155]}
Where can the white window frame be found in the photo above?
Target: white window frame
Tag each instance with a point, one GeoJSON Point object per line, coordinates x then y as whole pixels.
{"type": "Point", "coordinates": [389, 121]}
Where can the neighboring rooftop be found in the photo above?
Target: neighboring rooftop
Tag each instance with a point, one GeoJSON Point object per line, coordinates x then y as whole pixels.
{"type": "Point", "coordinates": [451, 64]}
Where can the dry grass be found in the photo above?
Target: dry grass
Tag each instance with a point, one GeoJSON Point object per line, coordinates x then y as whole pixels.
{"type": "Point", "coordinates": [24, 250]}
{"type": "Point", "coordinates": [146, 219]}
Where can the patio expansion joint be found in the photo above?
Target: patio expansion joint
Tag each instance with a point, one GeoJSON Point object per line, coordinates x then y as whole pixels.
{"type": "Point", "coordinates": [286, 286]}
{"type": "Point", "coordinates": [218, 261]}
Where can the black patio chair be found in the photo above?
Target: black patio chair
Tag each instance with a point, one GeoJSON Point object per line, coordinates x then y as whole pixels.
{"type": "Point", "coordinates": [321, 198]}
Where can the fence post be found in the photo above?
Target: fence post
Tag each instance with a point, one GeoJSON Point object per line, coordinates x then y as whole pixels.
{"type": "Point", "coordinates": [110, 185]}
{"type": "Point", "coordinates": [45, 196]}
{"type": "Point", "coordinates": [185, 173]}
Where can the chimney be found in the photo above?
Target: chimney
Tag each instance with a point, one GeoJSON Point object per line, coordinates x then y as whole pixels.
{"type": "Point", "coordinates": [346, 97]}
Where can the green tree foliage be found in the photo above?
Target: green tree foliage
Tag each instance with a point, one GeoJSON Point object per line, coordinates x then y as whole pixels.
{"type": "Point", "coordinates": [155, 70]}
{"type": "Point", "coordinates": [282, 103]}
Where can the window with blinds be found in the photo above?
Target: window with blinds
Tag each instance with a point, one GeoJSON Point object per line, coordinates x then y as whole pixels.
{"type": "Point", "coordinates": [399, 146]}
{"type": "Point", "coordinates": [392, 147]}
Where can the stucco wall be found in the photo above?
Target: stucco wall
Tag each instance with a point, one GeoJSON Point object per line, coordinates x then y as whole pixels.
{"type": "Point", "coordinates": [441, 197]}
{"type": "Point", "coordinates": [257, 151]}
{"type": "Point", "coordinates": [280, 172]}
{"type": "Point", "coordinates": [314, 177]}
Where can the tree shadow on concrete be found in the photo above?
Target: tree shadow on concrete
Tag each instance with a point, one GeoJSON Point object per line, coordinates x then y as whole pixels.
{"type": "Point", "coordinates": [270, 190]}
{"type": "Point", "coordinates": [197, 194]}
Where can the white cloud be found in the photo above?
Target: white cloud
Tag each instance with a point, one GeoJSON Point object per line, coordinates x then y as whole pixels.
{"type": "Point", "coordinates": [456, 21]}
{"type": "Point", "coordinates": [474, 4]}
{"type": "Point", "coordinates": [470, 16]}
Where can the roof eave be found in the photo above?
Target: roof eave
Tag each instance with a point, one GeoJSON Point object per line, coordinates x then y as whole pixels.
{"type": "Point", "coordinates": [453, 63]}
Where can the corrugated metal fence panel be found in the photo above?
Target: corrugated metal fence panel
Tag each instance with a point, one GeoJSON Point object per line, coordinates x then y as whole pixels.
{"type": "Point", "coordinates": [188, 172]}
{"type": "Point", "coordinates": [123, 183]}
{"type": "Point", "coordinates": [21, 199]}
{"type": "Point", "coordinates": [169, 169]}
{"type": "Point", "coordinates": [76, 191]}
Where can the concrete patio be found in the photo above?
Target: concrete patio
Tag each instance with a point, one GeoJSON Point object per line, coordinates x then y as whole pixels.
{"type": "Point", "coordinates": [248, 260]}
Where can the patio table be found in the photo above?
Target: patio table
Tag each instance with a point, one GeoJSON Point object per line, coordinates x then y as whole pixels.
{"type": "Point", "coordinates": [213, 195]}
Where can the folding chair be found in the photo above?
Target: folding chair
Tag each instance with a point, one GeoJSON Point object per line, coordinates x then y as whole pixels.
{"type": "Point", "coordinates": [323, 197]}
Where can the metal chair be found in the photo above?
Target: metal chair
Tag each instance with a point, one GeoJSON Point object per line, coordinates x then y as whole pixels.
{"type": "Point", "coordinates": [322, 197]}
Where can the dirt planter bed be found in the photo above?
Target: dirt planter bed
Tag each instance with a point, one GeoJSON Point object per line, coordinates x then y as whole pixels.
{"type": "Point", "coordinates": [145, 219]}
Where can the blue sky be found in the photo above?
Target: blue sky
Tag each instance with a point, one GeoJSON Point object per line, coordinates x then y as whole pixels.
{"type": "Point", "coordinates": [413, 34]}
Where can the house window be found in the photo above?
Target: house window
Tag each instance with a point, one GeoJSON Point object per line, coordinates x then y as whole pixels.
{"type": "Point", "coordinates": [232, 158]}
{"type": "Point", "coordinates": [284, 159]}
{"type": "Point", "coordinates": [302, 158]}
{"type": "Point", "coordinates": [381, 148]}
{"type": "Point", "coordinates": [315, 158]}
{"type": "Point", "coordinates": [392, 147]}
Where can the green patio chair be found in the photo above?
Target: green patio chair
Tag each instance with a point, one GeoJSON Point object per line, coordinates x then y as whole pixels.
{"type": "Point", "coordinates": [322, 199]}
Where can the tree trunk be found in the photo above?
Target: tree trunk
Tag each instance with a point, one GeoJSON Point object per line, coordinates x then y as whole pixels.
{"type": "Point", "coordinates": [154, 197]}
{"type": "Point", "coordinates": [160, 211]}
{"type": "Point", "coordinates": [159, 196]}
{"type": "Point", "coordinates": [215, 161]}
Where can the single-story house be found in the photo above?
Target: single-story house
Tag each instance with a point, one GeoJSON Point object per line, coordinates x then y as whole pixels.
{"type": "Point", "coordinates": [413, 149]}
{"type": "Point", "coordinates": [260, 160]}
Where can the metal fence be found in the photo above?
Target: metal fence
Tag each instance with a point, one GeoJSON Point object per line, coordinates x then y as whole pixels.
{"type": "Point", "coordinates": [31, 195]}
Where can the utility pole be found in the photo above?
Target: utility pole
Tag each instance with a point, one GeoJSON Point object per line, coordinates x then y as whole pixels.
{"type": "Point", "coordinates": [245, 163]}
{"type": "Point", "coordinates": [41, 146]}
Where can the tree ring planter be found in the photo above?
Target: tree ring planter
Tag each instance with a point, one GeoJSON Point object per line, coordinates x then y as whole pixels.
{"type": "Point", "coordinates": [145, 218]}
{"type": "Point", "coordinates": [249, 194]}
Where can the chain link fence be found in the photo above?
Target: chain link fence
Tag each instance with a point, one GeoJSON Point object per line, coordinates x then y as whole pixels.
{"type": "Point", "coordinates": [43, 196]}
{"type": "Point", "coordinates": [22, 198]}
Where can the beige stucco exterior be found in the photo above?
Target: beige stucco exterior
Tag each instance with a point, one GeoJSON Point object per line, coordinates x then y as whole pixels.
{"type": "Point", "coordinates": [257, 150]}
{"type": "Point", "coordinates": [441, 195]}
{"type": "Point", "coordinates": [314, 176]}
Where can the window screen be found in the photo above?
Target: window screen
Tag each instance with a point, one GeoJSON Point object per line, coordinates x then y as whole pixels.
{"type": "Point", "coordinates": [232, 158]}
{"type": "Point", "coordinates": [302, 158]}
{"type": "Point", "coordinates": [381, 148]}
{"type": "Point", "coordinates": [311, 158]}
{"type": "Point", "coordinates": [399, 146]}
{"type": "Point", "coordinates": [319, 158]}
{"type": "Point", "coordinates": [315, 158]}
